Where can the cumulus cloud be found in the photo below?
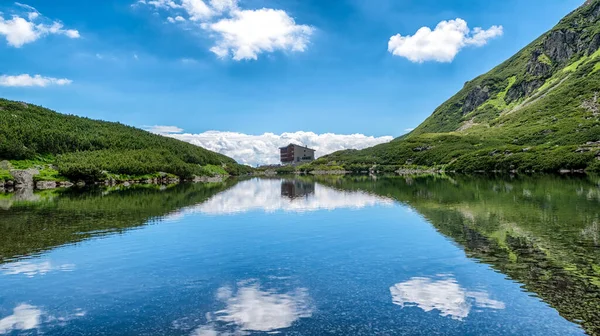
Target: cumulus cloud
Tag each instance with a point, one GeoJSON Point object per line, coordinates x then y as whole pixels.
{"type": "Point", "coordinates": [163, 129]}
{"type": "Point", "coordinates": [30, 26]}
{"type": "Point", "coordinates": [441, 44]}
{"type": "Point", "coordinates": [443, 295]}
{"type": "Point", "coordinates": [251, 32]}
{"type": "Point", "coordinates": [264, 149]}
{"type": "Point", "coordinates": [26, 80]}
{"type": "Point", "coordinates": [241, 34]}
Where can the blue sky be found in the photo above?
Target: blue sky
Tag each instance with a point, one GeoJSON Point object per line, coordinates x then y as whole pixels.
{"type": "Point", "coordinates": [332, 74]}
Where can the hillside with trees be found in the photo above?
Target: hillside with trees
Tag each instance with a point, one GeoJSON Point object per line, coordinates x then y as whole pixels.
{"type": "Point", "coordinates": [79, 148]}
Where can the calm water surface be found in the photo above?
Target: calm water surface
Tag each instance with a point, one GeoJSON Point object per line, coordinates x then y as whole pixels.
{"type": "Point", "coordinates": [298, 256]}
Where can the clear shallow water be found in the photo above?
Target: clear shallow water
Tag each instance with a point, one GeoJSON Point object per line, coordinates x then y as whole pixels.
{"type": "Point", "coordinates": [299, 257]}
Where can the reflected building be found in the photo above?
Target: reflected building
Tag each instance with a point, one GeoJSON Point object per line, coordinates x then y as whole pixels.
{"type": "Point", "coordinates": [294, 189]}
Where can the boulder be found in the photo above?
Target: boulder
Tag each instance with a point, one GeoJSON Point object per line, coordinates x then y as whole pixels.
{"type": "Point", "coordinates": [475, 98]}
{"type": "Point", "coordinates": [536, 67]}
{"type": "Point", "coordinates": [65, 184]}
{"type": "Point", "coordinates": [523, 89]}
{"type": "Point", "coordinates": [24, 177]}
{"type": "Point", "coordinates": [5, 165]}
{"type": "Point", "coordinates": [43, 185]}
{"type": "Point", "coordinates": [561, 45]}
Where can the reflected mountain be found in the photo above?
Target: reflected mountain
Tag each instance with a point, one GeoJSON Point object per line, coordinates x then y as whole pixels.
{"type": "Point", "coordinates": [272, 195]}
{"type": "Point", "coordinates": [444, 295]}
{"type": "Point", "coordinates": [542, 231]}
{"type": "Point", "coordinates": [66, 217]}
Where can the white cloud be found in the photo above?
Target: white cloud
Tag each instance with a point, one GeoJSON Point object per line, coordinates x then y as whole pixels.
{"type": "Point", "coordinates": [264, 149]}
{"type": "Point", "coordinates": [281, 195]}
{"type": "Point", "coordinates": [163, 129]}
{"type": "Point", "coordinates": [444, 295]}
{"type": "Point", "coordinates": [241, 34]}
{"type": "Point", "coordinates": [441, 44]}
{"type": "Point", "coordinates": [19, 31]}
{"type": "Point", "coordinates": [26, 80]}
{"type": "Point", "coordinates": [251, 32]}
{"type": "Point", "coordinates": [32, 269]}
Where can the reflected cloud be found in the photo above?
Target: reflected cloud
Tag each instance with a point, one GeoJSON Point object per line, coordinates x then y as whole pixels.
{"type": "Point", "coordinates": [272, 195]}
{"type": "Point", "coordinates": [253, 309]}
{"type": "Point", "coordinates": [444, 295]}
{"type": "Point", "coordinates": [27, 317]}
{"type": "Point", "coordinates": [24, 317]}
{"type": "Point", "coordinates": [31, 269]}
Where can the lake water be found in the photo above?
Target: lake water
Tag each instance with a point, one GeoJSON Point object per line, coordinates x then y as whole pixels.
{"type": "Point", "coordinates": [332, 256]}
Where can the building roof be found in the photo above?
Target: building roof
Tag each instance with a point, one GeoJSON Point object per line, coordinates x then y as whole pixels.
{"type": "Point", "coordinates": [292, 144]}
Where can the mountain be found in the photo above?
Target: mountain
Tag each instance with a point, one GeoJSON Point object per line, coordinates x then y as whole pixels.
{"type": "Point", "coordinates": [81, 148]}
{"type": "Point", "coordinates": [537, 111]}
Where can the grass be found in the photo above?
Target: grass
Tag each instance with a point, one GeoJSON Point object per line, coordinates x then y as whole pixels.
{"type": "Point", "coordinates": [543, 58]}
{"type": "Point", "coordinates": [499, 101]}
{"type": "Point", "coordinates": [49, 174]}
{"type": "Point", "coordinates": [215, 170]}
{"type": "Point", "coordinates": [5, 175]}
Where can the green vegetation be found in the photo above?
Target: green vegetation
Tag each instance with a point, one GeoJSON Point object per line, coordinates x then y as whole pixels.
{"type": "Point", "coordinates": [538, 111]}
{"type": "Point", "coordinates": [86, 149]}
{"type": "Point", "coordinates": [5, 175]}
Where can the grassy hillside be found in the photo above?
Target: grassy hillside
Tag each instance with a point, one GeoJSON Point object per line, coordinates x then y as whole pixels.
{"type": "Point", "coordinates": [539, 111]}
{"type": "Point", "coordinates": [82, 148]}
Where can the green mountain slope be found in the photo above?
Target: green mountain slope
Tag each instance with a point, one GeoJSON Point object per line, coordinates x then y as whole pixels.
{"type": "Point", "coordinates": [539, 111]}
{"type": "Point", "coordinates": [83, 148]}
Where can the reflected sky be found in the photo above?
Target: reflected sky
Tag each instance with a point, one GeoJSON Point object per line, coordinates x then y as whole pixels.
{"type": "Point", "coordinates": [271, 195]}
{"type": "Point", "coordinates": [444, 295]}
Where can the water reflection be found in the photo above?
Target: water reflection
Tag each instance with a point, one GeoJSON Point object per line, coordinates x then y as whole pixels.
{"type": "Point", "coordinates": [26, 317]}
{"type": "Point", "coordinates": [541, 231]}
{"type": "Point", "coordinates": [295, 189]}
{"type": "Point", "coordinates": [272, 195]}
{"type": "Point", "coordinates": [444, 295]}
{"type": "Point", "coordinates": [249, 308]}
{"type": "Point", "coordinates": [31, 269]}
